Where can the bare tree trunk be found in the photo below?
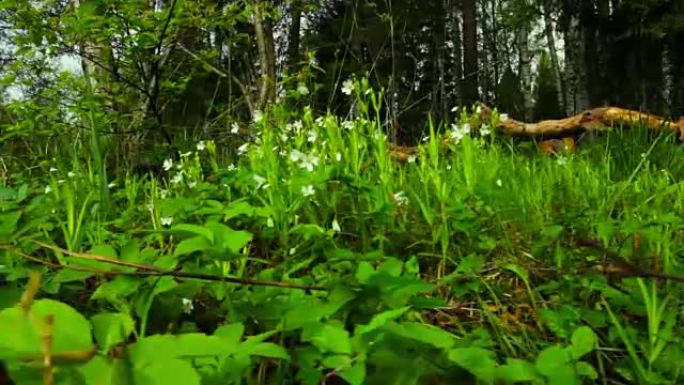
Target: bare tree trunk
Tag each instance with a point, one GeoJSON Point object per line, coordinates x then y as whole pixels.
{"type": "Point", "coordinates": [458, 56]}
{"type": "Point", "coordinates": [553, 55]}
{"type": "Point", "coordinates": [525, 62]}
{"type": "Point", "coordinates": [575, 74]}
{"type": "Point", "coordinates": [266, 48]}
{"type": "Point", "coordinates": [470, 66]}
{"type": "Point", "coordinates": [293, 42]}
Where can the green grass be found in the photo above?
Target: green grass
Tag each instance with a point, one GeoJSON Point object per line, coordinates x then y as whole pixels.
{"type": "Point", "coordinates": [461, 267]}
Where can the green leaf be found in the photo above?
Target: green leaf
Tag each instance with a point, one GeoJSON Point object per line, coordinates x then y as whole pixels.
{"type": "Point", "coordinates": [227, 238]}
{"type": "Point", "coordinates": [516, 370]}
{"type": "Point", "coordinates": [329, 338]}
{"type": "Point", "coordinates": [583, 341]}
{"type": "Point", "coordinates": [268, 349]}
{"type": "Point", "coordinates": [191, 245]}
{"type": "Point", "coordinates": [195, 230]}
{"type": "Point", "coordinates": [551, 359]}
{"type": "Point", "coordinates": [231, 333]}
{"type": "Point", "coordinates": [71, 331]}
{"type": "Point", "coordinates": [111, 329]}
{"type": "Point", "coordinates": [185, 345]}
{"type": "Point", "coordinates": [167, 371]}
{"type": "Point", "coordinates": [425, 333]}
{"type": "Point", "coordinates": [585, 369]}
{"type": "Point", "coordinates": [238, 208]}
{"type": "Point", "coordinates": [478, 361]}
{"type": "Point", "coordinates": [354, 375]}
{"type": "Point", "coordinates": [379, 320]}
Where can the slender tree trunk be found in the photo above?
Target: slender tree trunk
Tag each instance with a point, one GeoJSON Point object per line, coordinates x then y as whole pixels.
{"type": "Point", "coordinates": [293, 56]}
{"type": "Point", "coordinates": [266, 49]}
{"type": "Point", "coordinates": [525, 63]}
{"type": "Point", "coordinates": [553, 55]}
{"type": "Point", "coordinates": [575, 70]}
{"type": "Point", "coordinates": [458, 56]}
{"type": "Point", "coordinates": [470, 66]}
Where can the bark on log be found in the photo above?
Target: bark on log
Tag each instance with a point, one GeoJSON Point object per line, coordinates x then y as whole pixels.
{"type": "Point", "coordinates": [597, 119]}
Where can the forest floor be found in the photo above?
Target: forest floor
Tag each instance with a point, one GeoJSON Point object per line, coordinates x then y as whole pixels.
{"type": "Point", "coordinates": [311, 257]}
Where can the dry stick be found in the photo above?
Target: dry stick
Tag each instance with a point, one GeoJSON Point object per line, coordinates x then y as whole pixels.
{"type": "Point", "coordinates": [48, 376]}
{"type": "Point", "coordinates": [149, 270]}
{"type": "Point", "coordinates": [623, 267]}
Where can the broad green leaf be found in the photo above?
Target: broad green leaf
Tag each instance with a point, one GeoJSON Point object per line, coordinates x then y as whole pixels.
{"type": "Point", "coordinates": [268, 349]}
{"type": "Point", "coordinates": [117, 289]}
{"type": "Point", "coordinates": [354, 375]}
{"type": "Point", "coordinates": [583, 341]}
{"type": "Point", "coordinates": [551, 359]}
{"type": "Point", "coordinates": [516, 370]}
{"type": "Point", "coordinates": [238, 208]}
{"type": "Point", "coordinates": [379, 320]}
{"type": "Point", "coordinates": [478, 361]}
{"type": "Point", "coordinates": [111, 329]}
{"type": "Point", "coordinates": [585, 369]}
{"type": "Point", "coordinates": [329, 338]}
{"type": "Point", "coordinates": [227, 238]}
{"type": "Point", "coordinates": [194, 230]}
{"type": "Point", "coordinates": [167, 371]}
{"type": "Point", "coordinates": [191, 245]}
{"type": "Point", "coordinates": [105, 251]}
{"type": "Point", "coordinates": [231, 333]}
{"type": "Point", "coordinates": [425, 333]}
{"type": "Point", "coordinates": [184, 345]}
{"type": "Point", "coordinates": [18, 332]}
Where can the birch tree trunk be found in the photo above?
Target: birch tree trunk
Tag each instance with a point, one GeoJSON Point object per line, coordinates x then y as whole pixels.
{"type": "Point", "coordinates": [525, 63]}
{"type": "Point", "coordinates": [470, 66]}
{"type": "Point", "coordinates": [553, 55]}
{"type": "Point", "coordinates": [266, 49]}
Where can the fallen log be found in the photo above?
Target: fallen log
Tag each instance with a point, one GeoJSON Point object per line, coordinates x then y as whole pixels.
{"type": "Point", "coordinates": [600, 119]}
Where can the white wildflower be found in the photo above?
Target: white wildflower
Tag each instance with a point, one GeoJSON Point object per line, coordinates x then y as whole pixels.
{"type": "Point", "coordinates": [336, 226]}
{"type": "Point", "coordinates": [166, 221]}
{"type": "Point", "coordinates": [201, 145]}
{"type": "Point", "coordinates": [503, 117]}
{"type": "Point", "coordinates": [184, 155]}
{"type": "Point", "coordinates": [163, 193]}
{"type": "Point", "coordinates": [60, 181]}
{"type": "Point", "coordinates": [243, 149]}
{"type": "Point", "coordinates": [188, 307]}
{"type": "Point", "coordinates": [348, 87]}
{"type": "Point", "coordinates": [258, 116]}
{"type": "Point", "coordinates": [309, 161]}
{"type": "Point", "coordinates": [52, 169]}
{"type": "Point", "coordinates": [284, 137]}
{"type": "Point", "coordinates": [269, 222]}
{"type": "Point", "coordinates": [485, 131]}
{"type": "Point", "coordinates": [231, 167]}
{"type": "Point", "coordinates": [48, 189]}
{"type": "Point", "coordinates": [293, 251]}
{"type": "Point", "coordinates": [312, 136]}
{"type": "Point", "coordinates": [260, 180]}
{"type": "Point", "coordinates": [234, 128]}
{"type": "Point", "coordinates": [400, 198]}
{"type": "Point", "coordinates": [168, 163]}
{"type": "Point", "coordinates": [178, 178]}
{"type": "Point", "coordinates": [338, 156]}
{"type": "Point", "coordinates": [296, 155]}
{"type": "Point", "coordinates": [302, 90]}
{"type": "Point", "coordinates": [448, 167]}
{"type": "Point", "coordinates": [499, 182]}
{"type": "Point", "coordinates": [412, 159]}
{"type": "Point", "coordinates": [348, 125]}
{"type": "Point", "coordinates": [192, 184]}
{"type": "Point", "coordinates": [71, 174]}
{"type": "Point", "coordinates": [562, 160]}
{"type": "Point", "coordinates": [297, 125]}
{"type": "Point", "coordinates": [308, 190]}
{"type": "Point", "coordinates": [111, 185]}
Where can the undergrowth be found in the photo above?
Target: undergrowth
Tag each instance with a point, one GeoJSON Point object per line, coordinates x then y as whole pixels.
{"type": "Point", "coordinates": [308, 256]}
